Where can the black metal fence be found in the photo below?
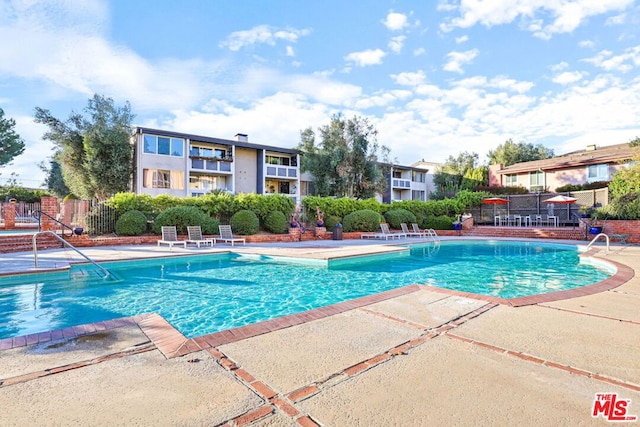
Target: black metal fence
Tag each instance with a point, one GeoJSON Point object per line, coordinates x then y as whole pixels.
{"type": "Point", "coordinates": [534, 204]}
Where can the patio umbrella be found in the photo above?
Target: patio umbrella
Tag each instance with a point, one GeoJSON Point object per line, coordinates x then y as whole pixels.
{"type": "Point", "coordinates": [495, 201]}
{"type": "Point", "coordinates": [561, 200]}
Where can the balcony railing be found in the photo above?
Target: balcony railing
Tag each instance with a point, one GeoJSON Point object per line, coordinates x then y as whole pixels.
{"type": "Point", "coordinates": [210, 164]}
{"type": "Point", "coordinates": [277, 171]}
{"type": "Point", "coordinates": [401, 183]}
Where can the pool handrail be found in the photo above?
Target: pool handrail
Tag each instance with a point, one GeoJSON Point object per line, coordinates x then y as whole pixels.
{"type": "Point", "coordinates": [596, 238]}
{"type": "Point", "coordinates": [62, 224]}
{"type": "Point", "coordinates": [64, 242]}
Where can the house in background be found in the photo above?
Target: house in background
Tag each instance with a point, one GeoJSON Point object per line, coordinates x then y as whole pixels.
{"type": "Point", "coordinates": [592, 164]}
{"type": "Point", "coordinates": [183, 164]}
{"type": "Point", "coordinates": [413, 182]}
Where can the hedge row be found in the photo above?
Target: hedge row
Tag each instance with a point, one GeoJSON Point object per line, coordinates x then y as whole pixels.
{"type": "Point", "coordinates": [272, 212]}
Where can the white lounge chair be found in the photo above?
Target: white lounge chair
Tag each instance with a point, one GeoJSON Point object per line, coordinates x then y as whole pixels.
{"type": "Point", "coordinates": [170, 237]}
{"type": "Point", "coordinates": [227, 236]}
{"type": "Point", "coordinates": [385, 233]}
{"type": "Point", "coordinates": [195, 236]}
{"type": "Point", "coordinates": [415, 233]}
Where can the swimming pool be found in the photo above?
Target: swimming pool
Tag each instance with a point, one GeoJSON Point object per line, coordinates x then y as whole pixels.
{"type": "Point", "coordinates": [208, 293]}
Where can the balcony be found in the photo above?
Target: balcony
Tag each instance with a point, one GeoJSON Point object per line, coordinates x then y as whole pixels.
{"type": "Point", "coordinates": [282, 172]}
{"type": "Point", "coordinates": [401, 183]}
{"type": "Point", "coordinates": [211, 164]}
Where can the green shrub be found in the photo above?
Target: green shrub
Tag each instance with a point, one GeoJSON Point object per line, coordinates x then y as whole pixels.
{"type": "Point", "coordinates": [276, 222]}
{"type": "Point", "coordinates": [580, 187]}
{"type": "Point", "coordinates": [395, 217]}
{"type": "Point", "coordinates": [184, 216]}
{"type": "Point", "coordinates": [124, 202]}
{"type": "Point", "coordinates": [441, 222]}
{"type": "Point", "coordinates": [131, 223]}
{"type": "Point", "coordinates": [362, 220]}
{"type": "Point", "coordinates": [501, 191]}
{"type": "Point", "coordinates": [244, 222]}
{"type": "Point", "coordinates": [624, 207]}
{"type": "Point", "coordinates": [331, 221]}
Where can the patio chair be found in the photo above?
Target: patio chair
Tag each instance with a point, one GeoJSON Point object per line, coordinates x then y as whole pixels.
{"type": "Point", "coordinates": [226, 235]}
{"type": "Point", "coordinates": [414, 233]}
{"type": "Point", "coordinates": [195, 236]}
{"type": "Point", "coordinates": [170, 237]}
{"type": "Point", "coordinates": [385, 233]}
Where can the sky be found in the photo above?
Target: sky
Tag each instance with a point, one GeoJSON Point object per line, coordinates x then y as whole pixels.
{"type": "Point", "coordinates": [435, 78]}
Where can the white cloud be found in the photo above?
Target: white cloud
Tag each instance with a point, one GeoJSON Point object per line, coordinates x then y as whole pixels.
{"type": "Point", "coordinates": [623, 63]}
{"type": "Point", "coordinates": [290, 51]}
{"type": "Point", "coordinates": [462, 39]}
{"type": "Point", "coordinates": [559, 66]}
{"type": "Point", "coordinates": [543, 18]}
{"type": "Point", "coordinates": [396, 43]}
{"type": "Point", "coordinates": [568, 77]}
{"type": "Point", "coordinates": [262, 34]}
{"type": "Point", "coordinates": [419, 51]}
{"type": "Point", "coordinates": [616, 20]}
{"type": "Point", "coordinates": [382, 99]}
{"type": "Point", "coordinates": [320, 89]}
{"type": "Point", "coordinates": [409, 79]}
{"type": "Point", "coordinates": [395, 21]}
{"type": "Point", "coordinates": [457, 59]}
{"type": "Point", "coordinates": [587, 44]}
{"type": "Point", "coordinates": [366, 57]}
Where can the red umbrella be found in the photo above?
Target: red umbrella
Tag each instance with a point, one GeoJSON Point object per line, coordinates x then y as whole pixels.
{"type": "Point", "coordinates": [495, 201]}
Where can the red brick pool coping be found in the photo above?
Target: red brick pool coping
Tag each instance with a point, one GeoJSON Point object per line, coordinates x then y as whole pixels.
{"type": "Point", "coordinates": [172, 343]}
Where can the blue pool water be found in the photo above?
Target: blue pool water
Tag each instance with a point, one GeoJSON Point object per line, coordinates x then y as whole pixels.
{"type": "Point", "coordinates": [208, 293]}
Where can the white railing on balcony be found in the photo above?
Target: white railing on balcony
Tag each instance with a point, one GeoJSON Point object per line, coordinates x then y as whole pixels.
{"type": "Point", "coordinates": [210, 165]}
{"type": "Point", "coordinates": [401, 183]}
{"type": "Point", "coordinates": [277, 171]}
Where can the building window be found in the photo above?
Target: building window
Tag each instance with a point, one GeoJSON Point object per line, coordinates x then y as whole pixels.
{"type": "Point", "coordinates": [307, 188]}
{"type": "Point", "coordinates": [397, 174]}
{"type": "Point", "coordinates": [511, 180]}
{"type": "Point", "coordinates": [418, 195]}
{"type": "Point", "coordinates": [536, 181]}
{"type": "Point", "coordinates": [205, 184]}
{"type": "Point", "coordinates": [209, 153]}
{"type": "Point", "coordinates": [158, 178]}
{"type": "Point", "coordinates": [598, 173]}
{"type": "Point", "coordinates": [417, 176]}
{"type": "Point", "coordinates": [154, 144]}
{"type": "Point", "coordinates": [277, 160]}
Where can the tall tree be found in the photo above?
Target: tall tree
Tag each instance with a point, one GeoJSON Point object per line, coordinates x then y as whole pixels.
{"type": "Point", "coordinates": [348, 161]}
{"type": "Point", "coordinates": [54, 180]}
{"type": "Point", "coordinates": [11, 145]}
{"type": "Point", "coordinates": [457, 173]}
{"type": "Point", "coordinates": [511, 153]}
{"type": "Point", "coordinates": [96, 156]}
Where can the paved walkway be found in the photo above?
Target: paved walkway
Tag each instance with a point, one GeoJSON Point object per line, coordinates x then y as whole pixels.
{"type": "Point", "coordinates": [415, 357]}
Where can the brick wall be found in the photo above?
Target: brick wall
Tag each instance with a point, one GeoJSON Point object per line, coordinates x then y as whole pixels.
{"type": "Point", "coordinates": [632, 228]}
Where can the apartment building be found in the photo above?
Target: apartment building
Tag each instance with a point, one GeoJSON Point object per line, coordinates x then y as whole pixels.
{"type": "Point", "coordinates": [182, 164]}
{"type": "Point", "coordinates": [407, 183]}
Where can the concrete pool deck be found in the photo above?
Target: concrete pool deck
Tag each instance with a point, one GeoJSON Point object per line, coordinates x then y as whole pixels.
{"type": "Point", "coordinates": [414, 357]}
